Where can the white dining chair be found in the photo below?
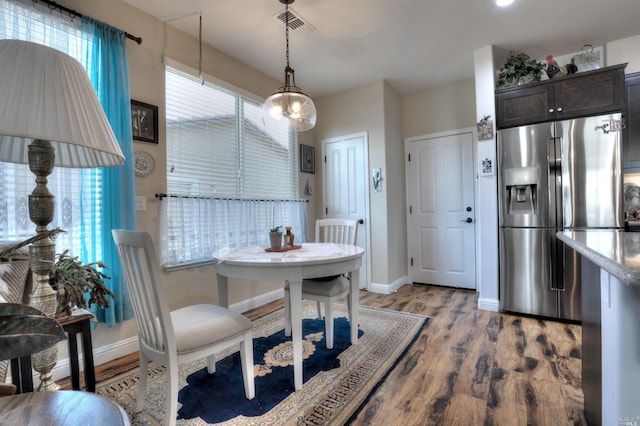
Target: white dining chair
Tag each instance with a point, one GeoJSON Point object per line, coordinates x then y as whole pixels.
{"type": "Point", "coordinates": [326, 290]}
{"type": "Point", "coordinates": [182, 335]}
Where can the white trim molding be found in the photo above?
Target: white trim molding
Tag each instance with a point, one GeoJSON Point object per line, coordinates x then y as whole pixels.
{"type": "Point", "coordinates": [390, 288]}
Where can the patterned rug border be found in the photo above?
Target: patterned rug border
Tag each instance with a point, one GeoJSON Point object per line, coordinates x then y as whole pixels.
{"type": "Point", "coordinates": [324, 399]}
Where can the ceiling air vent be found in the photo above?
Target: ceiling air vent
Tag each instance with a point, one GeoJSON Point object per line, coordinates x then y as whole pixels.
{"type": "Point", "coordinates": [296, 22]}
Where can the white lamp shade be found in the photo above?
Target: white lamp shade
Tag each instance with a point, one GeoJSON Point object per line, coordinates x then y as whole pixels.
{"type": "Point", "coordinates": [46, 94]}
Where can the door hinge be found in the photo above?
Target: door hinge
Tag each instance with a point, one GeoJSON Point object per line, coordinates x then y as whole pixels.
{"type": "Point", "coordinates": [409, 156]}
{"type": "Point", "coordinates": [326, 210]}
{"type": "Point", "coordinates": [325, 159]}
{"type": "Point", "coordinates": [410, 210]}
{"type": "Point", "coordinates": [412, 261]}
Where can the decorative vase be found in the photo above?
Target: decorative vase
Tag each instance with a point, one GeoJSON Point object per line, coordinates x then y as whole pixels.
{"type": "Point", "coordinates": [275, 240]}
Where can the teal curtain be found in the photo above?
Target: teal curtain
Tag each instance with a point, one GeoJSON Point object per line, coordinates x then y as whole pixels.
{"type": "Point", "coordinates": [109, 72]}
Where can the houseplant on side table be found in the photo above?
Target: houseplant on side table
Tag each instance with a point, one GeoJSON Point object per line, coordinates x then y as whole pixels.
{"type": "Point", "coordinates": [71, 280]}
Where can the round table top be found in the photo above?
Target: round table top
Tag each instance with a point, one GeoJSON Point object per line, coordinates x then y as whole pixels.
{"type": "Point", "coordinates": [307, 254]}
{"type": "Point", "coordinates": [61, 408]}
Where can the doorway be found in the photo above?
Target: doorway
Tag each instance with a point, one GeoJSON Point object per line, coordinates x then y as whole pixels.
{"type": "Point", "coordinates": [441, 209]}
{"type": "Point", "coordinates": [345, 189]}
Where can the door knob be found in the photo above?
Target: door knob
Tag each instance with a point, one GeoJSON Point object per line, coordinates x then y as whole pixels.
{"type": "Point", "coordinates": [360, 221]}
{"type": "Point", "coordinates": [468, 220]}
{"type": "Point", "coordinates": [468, 208]}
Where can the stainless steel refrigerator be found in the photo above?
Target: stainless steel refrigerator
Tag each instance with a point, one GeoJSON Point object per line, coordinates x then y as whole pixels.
{"type": "Point", "coordinates": [554, 176]}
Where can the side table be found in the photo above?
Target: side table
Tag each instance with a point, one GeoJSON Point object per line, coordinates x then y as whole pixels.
{"type": "Point", "coordinates": [79, 324]}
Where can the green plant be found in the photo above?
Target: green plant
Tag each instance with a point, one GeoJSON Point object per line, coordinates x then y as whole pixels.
{"type": "Point", "coordinates": [276, 230]}
{"type": "Point", "coordinates": [71, 279]}
{"type": "Point", "coordinates": [519, 68]}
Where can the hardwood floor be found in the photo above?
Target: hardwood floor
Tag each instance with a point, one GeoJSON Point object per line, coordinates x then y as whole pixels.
{"type": "Point", "coordinates": [467, 367]}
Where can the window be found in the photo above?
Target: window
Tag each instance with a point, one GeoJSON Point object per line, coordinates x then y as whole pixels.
{"type": "Point", "coordinates": [230, 176]}
{"type": "Point", "coordinates": [74, 189]}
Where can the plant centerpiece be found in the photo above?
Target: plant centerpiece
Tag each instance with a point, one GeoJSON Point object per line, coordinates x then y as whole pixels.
{"type": "Point", "coordinates": [71, 280]}
{"type": "Point", "coordinates": [275, 237]}
{"type": "Point", "coordinates": [519, 69]}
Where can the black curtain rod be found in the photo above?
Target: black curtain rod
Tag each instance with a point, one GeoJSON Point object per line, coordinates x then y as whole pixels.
{"type": "Point", "coordinates": [161, 195]}
{"type": "Point", "coordinates": [74, 14]}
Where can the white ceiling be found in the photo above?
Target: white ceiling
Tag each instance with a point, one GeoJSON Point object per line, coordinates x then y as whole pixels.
{"type": "Point", "coordinates": [412, 44]}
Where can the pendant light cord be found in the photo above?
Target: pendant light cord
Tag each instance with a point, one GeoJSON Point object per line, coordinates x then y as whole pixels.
{"type": "Point", "coordinates": [200, 49]}
{"type": "Point", "coordinates": [286, 31]}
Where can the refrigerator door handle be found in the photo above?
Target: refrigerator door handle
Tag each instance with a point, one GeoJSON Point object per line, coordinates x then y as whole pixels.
{"type": "Point", "coordinates": [553, 152]}
{"type": "Point", "coordinates": [554, 181]}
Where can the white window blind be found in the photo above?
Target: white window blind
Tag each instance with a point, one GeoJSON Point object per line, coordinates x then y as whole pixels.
{"type": "Point", "coordinates": [230, 177]}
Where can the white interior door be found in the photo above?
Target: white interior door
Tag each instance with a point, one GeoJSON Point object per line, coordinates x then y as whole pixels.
{"type": "Point", "coordinates": [346, 191]}
{"type": "Point", "coordinates": [441, 217]}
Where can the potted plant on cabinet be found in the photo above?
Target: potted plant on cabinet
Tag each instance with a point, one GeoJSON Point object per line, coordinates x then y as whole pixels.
{"type": "Point", "coordinates": [275, 237]}
{"type": "Point", "coordinates": [519, 69]}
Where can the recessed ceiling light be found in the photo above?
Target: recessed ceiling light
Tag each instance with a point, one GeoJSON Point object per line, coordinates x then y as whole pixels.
{"type": "Point", "coordinates": [503, 3]}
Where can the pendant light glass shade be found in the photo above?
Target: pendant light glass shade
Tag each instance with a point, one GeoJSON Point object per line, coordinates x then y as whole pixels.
{"type": "Point", "coordinates": [289, 101]}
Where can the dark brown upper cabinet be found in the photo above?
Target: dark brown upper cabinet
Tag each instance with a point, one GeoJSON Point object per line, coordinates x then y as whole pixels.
{"type": "Point", "coordinates": [580, 95]}
{"type": "Point", "coordinates": [631, 131]}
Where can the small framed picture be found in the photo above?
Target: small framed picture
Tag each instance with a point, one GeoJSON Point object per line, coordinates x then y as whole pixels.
{"type": "Point", "coordinates": [307, 159]}
{"type": "Point", "coordinates": [485, 129]}
{"type": "Point", "coordinates": [144, 122]}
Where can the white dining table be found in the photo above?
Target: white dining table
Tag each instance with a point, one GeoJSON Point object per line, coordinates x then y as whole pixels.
{"type": "Point", "coordinates": [311, 260]}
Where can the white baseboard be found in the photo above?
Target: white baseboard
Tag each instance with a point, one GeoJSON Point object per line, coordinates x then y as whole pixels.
{"type": "Point", "coordinates": [101, 355]}
{"type": "Point", "coordinates": [388, 288]}
{"type": "Point", "coordinates": [492, 305]}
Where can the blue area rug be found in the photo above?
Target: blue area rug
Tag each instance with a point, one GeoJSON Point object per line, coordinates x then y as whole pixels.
{"type": "Point", "coordinates": [337, 382]}
{"type": "Point", "coordinates": [273, 383]}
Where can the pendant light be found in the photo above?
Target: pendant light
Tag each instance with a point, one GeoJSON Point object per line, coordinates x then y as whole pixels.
{"type": "Point", "coordinates": [289, 101]}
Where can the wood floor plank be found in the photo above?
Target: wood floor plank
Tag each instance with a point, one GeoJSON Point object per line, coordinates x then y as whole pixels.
{"type": "Point", "coordinates": [467, 367]}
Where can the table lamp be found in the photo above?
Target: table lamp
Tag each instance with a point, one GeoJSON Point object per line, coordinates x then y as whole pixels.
{"type": "Point", "coordinates": [50, 116]}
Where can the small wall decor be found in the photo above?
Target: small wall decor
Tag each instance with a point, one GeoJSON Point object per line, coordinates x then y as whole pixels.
{"type": "Point", "coordinates": [376, 177]}
{"type": "Point", "coordinates": [143, 163]}
{"type": "Point", "coordinates": [486, 160]}
{"type": "Point", "coordinates": [487, 167]}
{"type": "Point", "coordinates": [307, 159]}
{"type": "Point", "coordinates": [485, 128]}
{"type": "Point", "coordinates": [307, 189]}
{"type": "Point", "coordinates": [587, 59]}
{"type": "Point", "coordinates": [144, 122]}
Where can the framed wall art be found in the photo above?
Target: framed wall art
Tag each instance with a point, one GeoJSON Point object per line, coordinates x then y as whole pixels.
{"type": "Point", "coordinates": [485, 128]}
{"type": "Point", "coordinates": [307, 159]}
{"type": "Point", "coordinates": [144, 122]}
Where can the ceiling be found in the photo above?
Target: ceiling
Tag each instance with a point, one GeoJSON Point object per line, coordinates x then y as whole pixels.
{"type": "Point", "coordinates": [412, 44]}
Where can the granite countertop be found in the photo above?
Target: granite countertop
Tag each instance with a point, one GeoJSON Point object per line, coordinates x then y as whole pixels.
{"type": "Point", "coordinates": [617, 252]}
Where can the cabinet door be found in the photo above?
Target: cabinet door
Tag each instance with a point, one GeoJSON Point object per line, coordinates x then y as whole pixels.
{"type": "Point", "coordinates": [631, 132]}
{"type": "Point", "coordinates": [592, 93]}
{"type": "Point", "coordinates": [525, 105]}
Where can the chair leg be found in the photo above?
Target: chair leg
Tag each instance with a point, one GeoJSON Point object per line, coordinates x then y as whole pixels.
{"type": "Point", "coordinates": [246, 355]}
{"type": "Point", "coordinates": [319, 306]}
{"type": "Point", "coordinates": [328, 323]}
{"type": "Point", "coordinates": [211, 364]}
{"type": "Point", "coordinates": [287, 312]}
{"type": "Point", "coordinates": [172, 392]}
{"type": "Point", "coordinates": [142, 385]}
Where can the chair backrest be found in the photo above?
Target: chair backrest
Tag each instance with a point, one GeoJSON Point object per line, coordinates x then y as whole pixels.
{"type": "Point", "coordinates": [341, 231]}
{"type": "Point", "coordinates": [144, 282]}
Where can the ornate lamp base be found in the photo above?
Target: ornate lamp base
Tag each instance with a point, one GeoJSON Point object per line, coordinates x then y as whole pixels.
{"type": "Point", "coordinates": [42, 253]}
